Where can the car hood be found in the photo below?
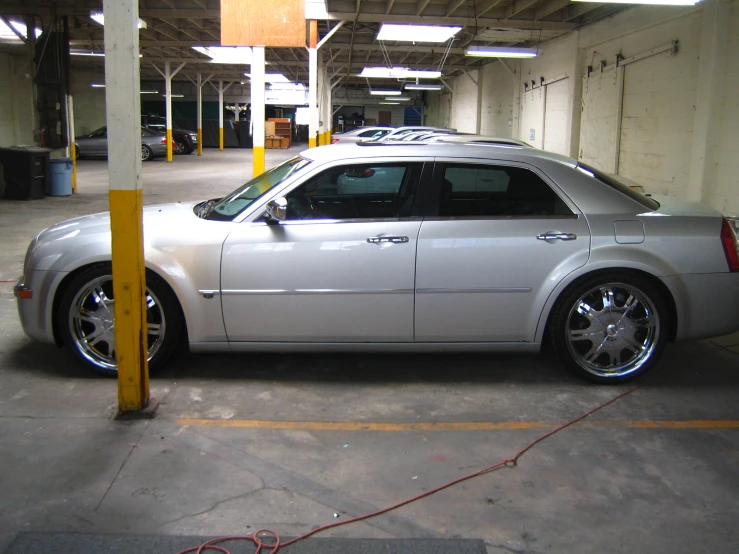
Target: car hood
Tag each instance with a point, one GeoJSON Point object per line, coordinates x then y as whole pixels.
{"type": "Point", "coordinates": [166, 227]}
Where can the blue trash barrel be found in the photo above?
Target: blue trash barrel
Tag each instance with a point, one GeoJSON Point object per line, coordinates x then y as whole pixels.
{"type": "Point", "coordinates": [60, 183]}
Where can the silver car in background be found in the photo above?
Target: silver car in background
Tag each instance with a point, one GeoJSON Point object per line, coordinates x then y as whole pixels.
{"type": "Point", "coordinates": [95, 145]}
{"type": "Point", "coordinates": [400, 132]}
{"type": "Point", "coordinates": [404, 247]}
{"type": "Point", "coordinates": [360, 134]}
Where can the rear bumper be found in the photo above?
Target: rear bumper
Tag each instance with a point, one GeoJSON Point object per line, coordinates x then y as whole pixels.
{"type": "Point", "coordinates": [158, 149]}
{"type": "Point", "coordinates": [707, 305]}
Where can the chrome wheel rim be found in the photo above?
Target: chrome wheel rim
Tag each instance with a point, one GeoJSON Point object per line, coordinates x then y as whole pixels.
{"type": "Point", "coordinates": [144, 153]}
{"type": "Point", "coordinates": [92, 323]}
{"type": "Point", "coordinates": [612, 330]}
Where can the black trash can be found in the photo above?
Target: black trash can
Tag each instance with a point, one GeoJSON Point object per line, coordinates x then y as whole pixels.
{"type": "Point", "coordinates": [25, 172]}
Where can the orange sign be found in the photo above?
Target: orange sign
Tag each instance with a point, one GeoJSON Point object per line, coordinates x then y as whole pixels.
{"type": "Point", "coordinates": [263, 23]}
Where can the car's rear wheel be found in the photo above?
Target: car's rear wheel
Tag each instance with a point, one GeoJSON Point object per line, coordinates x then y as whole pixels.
{"type": "Point", "coordinates": [86, 320]}
{"type": "Point", "coordinates": [610, 328]}
{"type": "Point", "coordinates": [146, 153]}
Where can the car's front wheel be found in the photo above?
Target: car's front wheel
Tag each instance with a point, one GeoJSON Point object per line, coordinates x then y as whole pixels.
{"type": "Point", "coordinates": [180, 148]}
{"type": "Point", "coordinates": [610, 328]}
{"type": "Point", "coordinates": [86, 319]}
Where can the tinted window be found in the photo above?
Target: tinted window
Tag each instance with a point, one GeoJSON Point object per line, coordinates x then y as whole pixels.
{"type": "Point", "coordinates": [621, 184]}
{"type": "Point", "coordinates": [477, 190]}
{"type": "Point", "coordinates": [366, 191]}
{"type": "Point", "coordinates": [374, 133]}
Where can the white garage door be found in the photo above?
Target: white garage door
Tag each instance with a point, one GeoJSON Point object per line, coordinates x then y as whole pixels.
{"type": "Point", "coordinates": [532, 117]}
{"type": "Point", "coordinates": [557, 117]}
{"type": "Point", "coordinates": [600, 119]}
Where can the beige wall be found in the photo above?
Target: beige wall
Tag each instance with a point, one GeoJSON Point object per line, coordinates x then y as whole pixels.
{"type": "Point", "coordinates": [16, 101]}
{"type": "Point", "coordinates": [89, 103]}
{"type": "Point", "coordinates": [496, 113]}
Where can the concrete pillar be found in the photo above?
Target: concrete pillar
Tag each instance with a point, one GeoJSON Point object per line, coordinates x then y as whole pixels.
{"type": "Point", "coordinates": [126, 200]}
{"type": "Point", "coordinates": [168, 74]}
{"type": "Point", "coordinates": [313, 84]}
{"type": "Point", "coordinates": [257, 108]}
{"type": "Point", "coordinates": [221, 90]}
{"type": "Point", "coordinates": [707, 122]}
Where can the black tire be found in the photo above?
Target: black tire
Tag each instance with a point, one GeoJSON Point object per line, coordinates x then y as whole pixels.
{"type": "Point", "coordinates": [180, 148]}
{"type": "Point", "coordinates": [630, 326]}
{"type": "Point", "coordinates": [163, 314]}
{"type": "Point", "coordinates": [146, 153]}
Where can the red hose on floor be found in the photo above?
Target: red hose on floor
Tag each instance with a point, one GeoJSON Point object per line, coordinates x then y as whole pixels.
{"type": "Point", "coordinates": [510, 462]}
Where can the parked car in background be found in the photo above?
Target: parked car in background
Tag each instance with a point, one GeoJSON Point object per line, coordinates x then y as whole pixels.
{"type": "Point", "coordinates": [359, 134]}
{"type": "Point", "coordinates": [184, 141]}
{"type": "Point", "coordinates": [95, 145]}
{"type": "Point", "coordinates": [404, 247]}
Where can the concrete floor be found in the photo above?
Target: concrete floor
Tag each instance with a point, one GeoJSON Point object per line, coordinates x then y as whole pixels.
{"type": "Point", "coordinates": [613, 485]}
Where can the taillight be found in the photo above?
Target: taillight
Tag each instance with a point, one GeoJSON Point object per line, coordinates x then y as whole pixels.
{"type": "Point", "coordinates": [334, 141]}
{"type": "Point", "coordinates": [164, 140]}
{"type": "Point", "coordinates": [731, 247]}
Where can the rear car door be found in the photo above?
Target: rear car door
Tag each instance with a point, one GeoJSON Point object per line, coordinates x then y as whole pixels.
{"type": "Point", "coordinates": [501, 235]}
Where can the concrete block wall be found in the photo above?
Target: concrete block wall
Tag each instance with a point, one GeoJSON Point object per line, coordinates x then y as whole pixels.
{"type": "Point", "coordinates": [16, 101]}
{"type": "Point", "coordinates": [89, 102]}
{"type": "Point", "coordinates": [496, 111]}
{"type": "Point", "coordinates": [726, 175]}
{"type": "Point", "coordinates": [465, 105]}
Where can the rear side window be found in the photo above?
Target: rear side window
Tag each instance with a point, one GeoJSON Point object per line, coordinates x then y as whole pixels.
{"type": "Point", "coordinates": [621, 185]}
{"type": "Point", "coordinates": [374, 133]}
{"type": "Point", "coordinates": [479, 190]}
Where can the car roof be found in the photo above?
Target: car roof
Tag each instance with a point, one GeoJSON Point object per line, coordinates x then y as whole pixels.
{"type": "Point", "coordinates": [371, 150]}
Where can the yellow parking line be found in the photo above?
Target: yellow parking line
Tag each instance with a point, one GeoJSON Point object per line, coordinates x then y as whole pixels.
{"type": "Point", "coordinates": [452, 426]}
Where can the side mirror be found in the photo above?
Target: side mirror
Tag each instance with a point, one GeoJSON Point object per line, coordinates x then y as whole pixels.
{"type": "Point", "coordinates": [277, 210]}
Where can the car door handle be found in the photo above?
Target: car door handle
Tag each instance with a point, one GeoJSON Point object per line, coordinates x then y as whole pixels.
{"type": "Point", "coordinates": [556, 236]}
{"type": "Point", "coordinates": [387, 238]}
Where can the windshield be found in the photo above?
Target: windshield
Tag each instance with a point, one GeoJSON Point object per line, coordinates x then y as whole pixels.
{"type": "Point", "coordinates": [232, 205]}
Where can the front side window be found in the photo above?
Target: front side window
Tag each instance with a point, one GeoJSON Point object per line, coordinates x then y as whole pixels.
{"type": "Point", "coordinates": [230, 206]}
{"type": "Point", "coordinates": [357, 191]}
{"type": "Point", "coordinates": [478, 190]}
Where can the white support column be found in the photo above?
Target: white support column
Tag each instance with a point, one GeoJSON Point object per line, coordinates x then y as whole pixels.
{"type": "Point", "coordinates": [221, 90]}
{"type": "Point", "coordinates": [168, 74]}
{"type": "Point", "coordinates": [313, 84]}
{"type": "Point", "coordinates": [707, 122]}
{"type": "Point", "coordinates": [124, 169]}
{"type": "Point", "coordinates": [320, 98]}
{"type": "Point", "coordinates": [199, 86]}
{"type": "Point", "coordinates": [257, 108]}
{"type": "Point", "coordinates": [70, 140]}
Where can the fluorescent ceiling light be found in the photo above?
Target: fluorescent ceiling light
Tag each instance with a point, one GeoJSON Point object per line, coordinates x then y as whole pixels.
{"type": "Point", "coordinates": [88, 53]}
{"type": "Point", "coordinates": [389, 103]}
{"type": "Point", "coordinates": [399, 72]}
{"type": "Point", "coordinates": [97, 85]}
{"type": "Point", "coordinates": [423, 87]}
{"type": "Point", "coordinates": [500, 52]}
{"type": "Point", "coordinates": [149, 92]}
{"type": "Point", "coordinates": [399, 98]}
{"type": "Point", "coordinates": [416, 33]}
{"type": "Point", "coordinates": [380, 92]}
{"type": "Point", "coordinates": [237, 55]}
{"type": "Point", "coordinates": [98, 17]}
{"type": "Point", "coordinates": [658, 2]}
{"type": "Point", "coordinates": [175, 95]}
{"type": "Point", "coordinates": [272, 78]}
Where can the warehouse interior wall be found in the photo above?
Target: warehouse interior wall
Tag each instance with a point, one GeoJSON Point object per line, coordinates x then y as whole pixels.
{"type": "Point", "coordinates": [89, 102]}
{"type": "Point", "coordinates": [16, 101]}
{"type": "Point", "coordinates": [668, 121]}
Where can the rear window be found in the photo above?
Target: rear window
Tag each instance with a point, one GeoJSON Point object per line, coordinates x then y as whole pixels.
{"type": "Point", "coordinates": [621, 184]}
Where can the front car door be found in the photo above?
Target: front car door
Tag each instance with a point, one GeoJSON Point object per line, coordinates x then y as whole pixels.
{"type": "Point", "coordinates": [340, 268]}
{"type": "Point", "coordinates": [502, 238]}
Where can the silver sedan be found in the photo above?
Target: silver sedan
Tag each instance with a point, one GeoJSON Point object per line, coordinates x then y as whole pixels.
{"type": "Point", "coordinates": [360, 134]}
{"type": "Point", "coordinates": [95, 145]}
{"type": "Point", "coordinates": [415, 247]}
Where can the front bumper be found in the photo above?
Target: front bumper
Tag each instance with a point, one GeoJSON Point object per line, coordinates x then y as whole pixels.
{"type": "Point", "coordinates": [33, 292]}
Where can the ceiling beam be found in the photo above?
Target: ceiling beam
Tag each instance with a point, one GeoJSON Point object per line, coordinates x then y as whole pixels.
{"type": "Point", "coordinates": [421, 5]}
{"type": "Point", "coordinates": [453, 6]}
{"type": "Point", "coordinates": [575, 11]}
{"type": "Point", "coordinates": [435, 20]}
{"type": "Point", "coordinates": [519, 6]}
{"type": "Point", "coordinates": [549, 8]}
{"type": "Point", "coordinates": [485, 7]}
{"type": "Point", "coordinates": [389, 6]}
